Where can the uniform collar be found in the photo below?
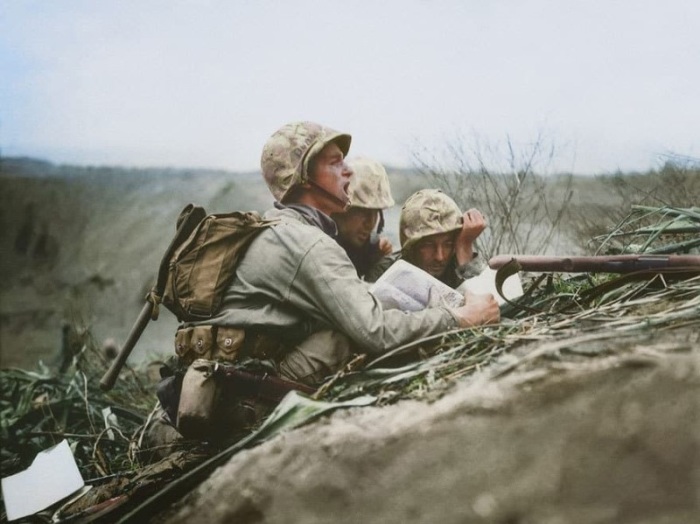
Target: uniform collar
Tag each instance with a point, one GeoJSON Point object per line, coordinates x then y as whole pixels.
{"type": "Point", "coordinates": [314, 217]}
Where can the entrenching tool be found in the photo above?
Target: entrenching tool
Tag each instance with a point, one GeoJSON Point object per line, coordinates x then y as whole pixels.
{"type": "Point", "coordinates": [189, 218]}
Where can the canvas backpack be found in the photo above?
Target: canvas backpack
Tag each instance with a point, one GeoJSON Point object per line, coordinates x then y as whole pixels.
{"type": "Point", "coordinates": [204, 259]}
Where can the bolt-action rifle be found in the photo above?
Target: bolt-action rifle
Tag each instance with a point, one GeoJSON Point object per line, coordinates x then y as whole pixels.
{"type": "Point", "coordinates": [602, 263]}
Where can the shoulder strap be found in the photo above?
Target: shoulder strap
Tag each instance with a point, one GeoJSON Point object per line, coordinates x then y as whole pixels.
{"type": "Point", "coordinates": [188, 220]}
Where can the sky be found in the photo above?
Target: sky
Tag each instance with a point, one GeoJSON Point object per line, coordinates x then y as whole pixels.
{"type": "Point", "coordinates": [608, 84]}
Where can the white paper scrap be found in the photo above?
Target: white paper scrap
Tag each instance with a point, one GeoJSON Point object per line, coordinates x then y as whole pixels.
{"type": "Point", "coordinates": [52, 476]}
{"type": "Point", "coordinates": [485, 282]}
{"type": "Point", "coordinates": [111, 421]}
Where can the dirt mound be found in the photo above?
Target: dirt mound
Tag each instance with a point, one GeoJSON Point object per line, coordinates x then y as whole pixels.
{"type": "Point", "coordinates": [607, 434]}
{"type": "Point", "coordinates": [608, 440]}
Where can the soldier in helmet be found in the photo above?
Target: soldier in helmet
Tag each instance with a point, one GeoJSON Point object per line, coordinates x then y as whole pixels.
{"type": "Point", "coordinates": [360, 226]}
{"type": "Point", "coordinates": [296, 304]}
{"type": "Point", "coordinates": [438, 238]}
{"type": "Point", "coordinates": [296, 294]}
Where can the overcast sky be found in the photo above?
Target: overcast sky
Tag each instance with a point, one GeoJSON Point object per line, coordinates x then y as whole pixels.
{"type": "Point", "coordinates": [613, 84]}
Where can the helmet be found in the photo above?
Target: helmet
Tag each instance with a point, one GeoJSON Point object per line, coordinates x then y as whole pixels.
{"type": "Point", "coordinates": [369, 186]}
{"type": "Point", "coordinates": [287, 153]}
{"type": "Point", "coordinates": [427, 212]}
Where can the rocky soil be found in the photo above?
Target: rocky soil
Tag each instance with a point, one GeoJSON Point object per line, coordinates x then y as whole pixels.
{"type": "Point", "coordinates": [613, 439]}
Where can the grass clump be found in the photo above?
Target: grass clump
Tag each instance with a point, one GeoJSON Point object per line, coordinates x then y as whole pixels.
{"type": "Point", "coordinates": [40, 408]}
{"type": "Point", "coordinates": [557, 314]}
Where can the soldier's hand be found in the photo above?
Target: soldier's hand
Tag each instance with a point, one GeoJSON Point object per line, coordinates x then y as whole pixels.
{"type": "Point", "coordinates": [478, 309]}
{"type": "Point", "coordinates": [473, 224]}
{"type": "Point", "coordinates": [385, 246]}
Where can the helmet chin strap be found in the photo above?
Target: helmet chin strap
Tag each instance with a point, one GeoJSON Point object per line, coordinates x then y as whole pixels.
{"type": "Point", "coordinates": [380, 225]}
{"type": "Point", "coordinates": [315, 186]}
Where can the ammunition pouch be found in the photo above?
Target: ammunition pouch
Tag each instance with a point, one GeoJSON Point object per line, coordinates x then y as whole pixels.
{"type": "Point", "coordinates": [227, 368]}
{"type": "Point", "coordinates": [225, 344]}
{"type": "Point", "coordinates": [208, 342]}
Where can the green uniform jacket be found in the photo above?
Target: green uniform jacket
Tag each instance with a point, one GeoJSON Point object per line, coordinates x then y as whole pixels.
{"type": "Point", "coordinates": [295, 280]}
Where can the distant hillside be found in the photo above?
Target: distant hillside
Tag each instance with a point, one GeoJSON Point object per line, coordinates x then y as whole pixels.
{"type": "Point", "coordinates": [82, 245]}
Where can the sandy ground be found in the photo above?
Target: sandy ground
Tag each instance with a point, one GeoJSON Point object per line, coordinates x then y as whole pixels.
{"type": "Point", "coordinates": [612, 439]}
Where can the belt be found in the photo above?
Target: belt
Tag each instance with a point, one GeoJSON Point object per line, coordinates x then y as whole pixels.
{"type": "Point", "coordinates": [223, 343]}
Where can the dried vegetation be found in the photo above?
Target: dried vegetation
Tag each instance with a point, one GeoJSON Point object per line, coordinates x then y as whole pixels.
{"type": "Point", "coordinates": [561, 317]}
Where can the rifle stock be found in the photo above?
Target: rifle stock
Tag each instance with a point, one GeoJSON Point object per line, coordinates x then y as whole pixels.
{"type": "Point", "coordinates": [600, 264]}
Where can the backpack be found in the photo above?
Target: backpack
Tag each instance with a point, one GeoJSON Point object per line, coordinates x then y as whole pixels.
{"type": "Point", "coordinates": [196, 273]}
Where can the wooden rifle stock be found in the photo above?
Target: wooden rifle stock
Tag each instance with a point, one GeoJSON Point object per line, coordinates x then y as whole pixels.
{"type": "Point", "coordinates": [600, 264]}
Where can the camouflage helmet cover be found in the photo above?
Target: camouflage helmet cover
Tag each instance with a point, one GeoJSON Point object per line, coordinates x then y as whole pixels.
{"type": "Point", "coordinates": [288, 152]}
{"type": "Point", "coordinates": [369, 186]}
{"type": "Point", "coordinates": [427, 212]}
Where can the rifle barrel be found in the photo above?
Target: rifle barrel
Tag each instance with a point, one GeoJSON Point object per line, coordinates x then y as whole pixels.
{"type": "Point", "coordinates": [599, 264]}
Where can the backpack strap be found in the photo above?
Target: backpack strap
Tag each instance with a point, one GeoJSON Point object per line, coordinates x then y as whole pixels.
{"type": "Point", "coordinates": [190, 216]}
